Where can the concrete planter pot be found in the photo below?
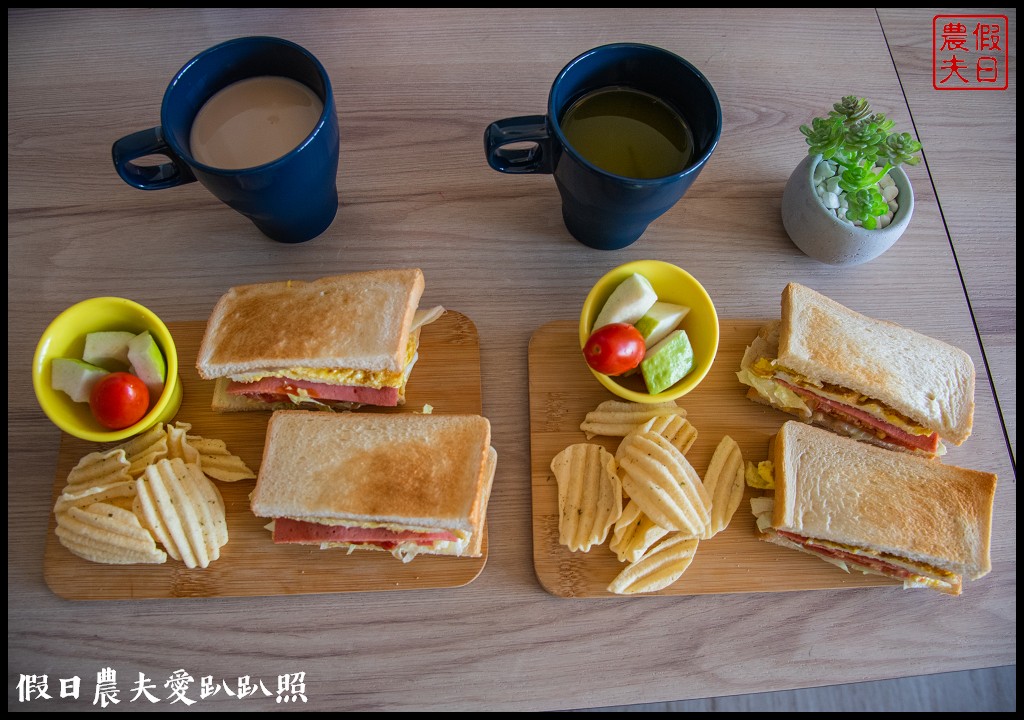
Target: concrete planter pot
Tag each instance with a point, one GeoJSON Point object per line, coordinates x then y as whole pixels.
{"type": "Point", "coordinates": [820, 235]}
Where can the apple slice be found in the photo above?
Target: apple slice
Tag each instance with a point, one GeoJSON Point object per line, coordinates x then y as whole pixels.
{"type": "Point", "coordinates": [148, 363]}
{"type": "Point", "coordinates": [75, 377]}
{"type": "Point", "coordinates": [629, 301]}
{"type": "Point", "coordinates": [106, 346]}
{"type": "Point", "coordinates": [660, 320]}
{"type": "Point", "coordinates": [668, 362]}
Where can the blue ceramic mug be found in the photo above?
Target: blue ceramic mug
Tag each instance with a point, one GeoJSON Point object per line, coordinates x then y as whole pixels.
{"type": "Point", "coordinates": [291, 199]}
{"type": "Point", "coordinates": [607, 208]}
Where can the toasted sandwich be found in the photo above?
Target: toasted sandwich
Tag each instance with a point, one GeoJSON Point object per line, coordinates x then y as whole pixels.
{"type": "Point", "coordinates": [341, 341]}
{"type": "Point", "coordinates": [869, 379]}
{"type": "Point", "coordinates": [866, 508]}
{"type": "Point", "coordinates": [405, 483]}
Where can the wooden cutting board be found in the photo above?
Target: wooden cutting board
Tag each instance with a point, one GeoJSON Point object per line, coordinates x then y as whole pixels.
{"type": "Point", "coordinates": [562, 391]}
{"type": "Point", "coordinates": [447, 377]}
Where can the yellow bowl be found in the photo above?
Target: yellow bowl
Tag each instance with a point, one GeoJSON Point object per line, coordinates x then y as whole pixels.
{"type": "Point", "coordinates": [673, 285]}
{"type": "Point", "coordinates": [65, 337]}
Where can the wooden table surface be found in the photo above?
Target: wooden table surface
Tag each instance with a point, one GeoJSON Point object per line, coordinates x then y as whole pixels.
{"type": "Point", "coordinates": [415, 90]}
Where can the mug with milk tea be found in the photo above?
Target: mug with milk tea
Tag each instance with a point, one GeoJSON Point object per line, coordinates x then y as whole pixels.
{"type": "Point", "coordinates": [628, 128]}
{"type": "Point", "coordinates": [253, 119]}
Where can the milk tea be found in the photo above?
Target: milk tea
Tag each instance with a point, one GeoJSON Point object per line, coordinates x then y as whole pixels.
{"type": "Point", "coordinates": [254, 121]}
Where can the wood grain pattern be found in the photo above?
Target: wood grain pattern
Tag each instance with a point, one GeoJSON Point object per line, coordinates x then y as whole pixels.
{"type": "Point", "coordinates": [562, 391]}
{"type": "Point", "coordinates": [970, 143]}
{"type": "Point", "coordinates": [416, 87]}
{"type": "Point", "coordinates": [447, 377]}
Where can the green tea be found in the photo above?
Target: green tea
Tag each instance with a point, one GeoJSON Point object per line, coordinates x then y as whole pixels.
{"type": "Point", "coordinates": [629, 133]}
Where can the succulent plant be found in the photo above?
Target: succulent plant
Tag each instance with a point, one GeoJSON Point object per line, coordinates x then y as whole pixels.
{"type": "Point", "coordinates": [860, 147]}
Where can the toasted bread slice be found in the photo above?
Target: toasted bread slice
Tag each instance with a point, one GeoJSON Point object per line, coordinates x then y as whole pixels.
{"type": "Point", "coordinates": [902, 507]}
{"type": "Point", "coordinates": [359, 321]}
{"type": "Point", "coordinates": [390, 469]}
{"type": "Point", "coordinates": [927, 380]}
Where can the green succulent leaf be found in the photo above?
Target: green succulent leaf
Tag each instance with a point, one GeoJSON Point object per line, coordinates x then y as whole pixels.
{"type": "Point", "coordinates": [881, 121]}
{"type": "Point", "coordinates": [900, 149]}
{"type": "Point", "coordinates": [824, 138]}
{"type": "Point", "coordinates": [863, 139]}
{"type": "Point", "coordinates": [862, 145]}
{"type": "Point", "coordinates": [858, 178]}
{"type": "Point", "coordinates": [866, 206]}
{"type": "Point", "coordinates": [853, 136]}
{"type": "Point", "coordinates": [851, 109]}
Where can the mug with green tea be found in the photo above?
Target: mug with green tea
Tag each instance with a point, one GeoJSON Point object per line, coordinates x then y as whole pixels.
{"type": "Point", "coordinates": [628, 129]}
{"type": "Point", "coordinates": [628, 132]}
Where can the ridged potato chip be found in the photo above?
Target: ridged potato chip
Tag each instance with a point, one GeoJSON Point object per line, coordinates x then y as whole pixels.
{"type": "Point", "coordinates": [209, 506]}
{"type": "Point", "coordinates": [724, 484]}
{"type": "Point", "coordinates": [675, 428]}
{"type": "Point", "coordinates": [153, 490]}
{"type": "Point", "coordinates": [217, 461]}
{"type": "Point", "coordinates": [663, 484]}
{"type": "Point", "coordinates": [146, 449]}
{"type": "Point", "coordinates": [658, 568]}
{"type": "Point", "coordinates": [178, 445]}
{"type": "Point", "coordinates": [634, 534]}
{"type": "Point", "coordinates": [105, 533]}
{"type": "Point", "coordinates": [212, 456]}
{"type": "Point", "coordinates": [617, 418]}
{"type": "Point", "coordinates": [679, 431]}
{"type": "Point", "coordinates": [197, 550]}
{"type": "Point", "coordinates": [589, 495]}
{"type": "Point", "coordinates": [180, 512]}
{"type": "Point", "coordinates": [151, 496]}
{"type": "Point", "coordinates": [99, 470]}
{"type": "Point", "coordinates": [121, 494]}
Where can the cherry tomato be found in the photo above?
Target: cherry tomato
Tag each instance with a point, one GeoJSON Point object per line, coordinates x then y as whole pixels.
{"type": "Point", "coordinates": [118, 400]}
{"type": "Point", "coordinates": [614, 349]}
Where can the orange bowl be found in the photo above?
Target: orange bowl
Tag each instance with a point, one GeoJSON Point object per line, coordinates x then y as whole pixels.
{"type": "Point", "coordinates": [673, 285]}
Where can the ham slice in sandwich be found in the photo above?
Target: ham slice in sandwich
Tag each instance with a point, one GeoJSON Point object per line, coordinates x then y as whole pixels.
{"type": "Point", "coordinates": [872, 510]}
{"type": "Point", "coordinates": [865, 378]}
{"type": "Point", "coordinates": [405, 483]}
{"type": "Point", "coordinates": [341, 341]}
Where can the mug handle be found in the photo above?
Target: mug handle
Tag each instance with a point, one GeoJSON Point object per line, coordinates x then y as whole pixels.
{"type": "Point", "coordinates": [529, 129]}
{"type": "Point", "coordinates": [149, 177]}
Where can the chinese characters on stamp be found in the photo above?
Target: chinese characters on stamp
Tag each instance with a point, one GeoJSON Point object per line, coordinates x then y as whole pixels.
{"type": "Point", "coordinates": [970, 52]}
